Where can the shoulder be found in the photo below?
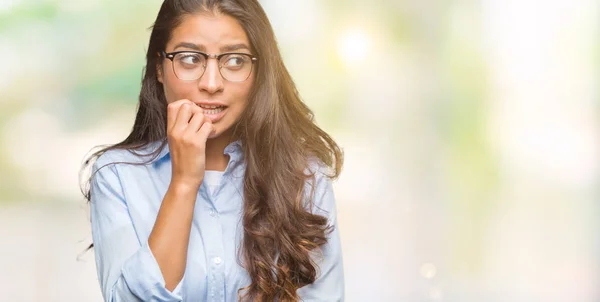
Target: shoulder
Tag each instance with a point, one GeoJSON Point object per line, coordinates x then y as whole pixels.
{"type": "Point", "coordinates": [115, 156]}
{"type": "Point", "coordinates": [109, 169]}
{"type": "Point", "coordinates": [318, 168]}
{"type": "Point", "coordinates": [319, 175]}
{"type": "Point", "coordinates": [319, 185]}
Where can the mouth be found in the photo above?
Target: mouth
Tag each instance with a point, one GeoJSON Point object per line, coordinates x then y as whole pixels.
{"type": "Point", "coordinates": [213, 112]}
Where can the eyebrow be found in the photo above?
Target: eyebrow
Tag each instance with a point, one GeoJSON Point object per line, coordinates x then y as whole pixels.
{"type": "Point", "coordinates": [225, 48]}
{"type": "Point", "coordinates": [234, 47]}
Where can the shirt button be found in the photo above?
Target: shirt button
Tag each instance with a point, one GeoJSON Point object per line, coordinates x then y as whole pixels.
{"type": "Point", "coordinates": [217, 260]}
{"type": "Point", "coordinates": [213, 213]}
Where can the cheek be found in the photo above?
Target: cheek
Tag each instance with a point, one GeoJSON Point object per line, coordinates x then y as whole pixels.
{"type": "Point", "coordinates": [175, 90]}
{"type": "Point", "coordinates": [168, 88]}
{"type": "Point", "coordinates": [244, 91]}
{"type": "Point", "coordinates": [240, 100]}
{"type": "Point", "coordinates": [242, 97]}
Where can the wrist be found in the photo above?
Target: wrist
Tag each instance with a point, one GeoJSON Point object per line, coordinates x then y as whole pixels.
{"type": "Point", "coordinates": [183, 187]}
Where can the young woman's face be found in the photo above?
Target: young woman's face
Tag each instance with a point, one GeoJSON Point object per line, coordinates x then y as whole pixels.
{"type": "Point", "coordinates": [211, 34]}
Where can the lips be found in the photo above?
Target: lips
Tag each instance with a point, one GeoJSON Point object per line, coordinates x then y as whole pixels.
{"type": "Point", "coordinates": [215, 114]}
{"type": "Point", "coordinates": [210, 104]}
{"type": "Point", "coordinates": [214, 110]}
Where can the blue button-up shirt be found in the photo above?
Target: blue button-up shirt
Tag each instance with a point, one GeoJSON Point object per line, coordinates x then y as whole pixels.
{"type": "Point", "coordinates": [125, 200]}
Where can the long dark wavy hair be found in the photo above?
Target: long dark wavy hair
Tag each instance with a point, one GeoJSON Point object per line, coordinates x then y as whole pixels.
{"type": "Point", "coordinates": [279, 138]}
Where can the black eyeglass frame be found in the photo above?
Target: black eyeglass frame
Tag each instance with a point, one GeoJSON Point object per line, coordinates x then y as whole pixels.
{"type": "Point", "coordinates": [171, 56]}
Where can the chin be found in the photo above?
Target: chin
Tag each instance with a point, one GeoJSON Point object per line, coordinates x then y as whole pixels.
{"type": "Point", "coordinates": [218, 132]}
{"type": "Point", "coordinates": [215, 135]}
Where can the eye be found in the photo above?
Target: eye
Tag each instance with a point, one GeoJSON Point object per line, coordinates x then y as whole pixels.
{"type": "Point", "coordinates": [190, 59]}
{"type": "Point", "coordinates": [234, 61]}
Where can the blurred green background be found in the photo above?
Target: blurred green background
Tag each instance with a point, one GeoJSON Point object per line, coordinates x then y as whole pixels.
{"type": "Point", "coordinates": [470, 129]}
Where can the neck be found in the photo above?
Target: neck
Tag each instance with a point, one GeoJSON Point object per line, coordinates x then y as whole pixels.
{"type": "Point", "coordinates": [215, 159]}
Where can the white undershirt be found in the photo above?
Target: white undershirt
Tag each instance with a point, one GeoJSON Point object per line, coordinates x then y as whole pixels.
{"type": "Point", "coordinates": [212, 179]}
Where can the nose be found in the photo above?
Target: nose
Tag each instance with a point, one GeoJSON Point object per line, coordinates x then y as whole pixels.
{"type": "Point", "coordinates": [211, 81]}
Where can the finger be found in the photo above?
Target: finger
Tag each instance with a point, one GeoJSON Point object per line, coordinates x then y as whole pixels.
{"type": "Point", "coordinates": [196, 122]}
{"type": "Point", "coordinates": [172, 110]}
{"type": "Point", "coordinates": [197, 109]}
{"type": "Point", "coordinates": [183, 117]}
{"type": "Point", "coordinates": [205, 131]}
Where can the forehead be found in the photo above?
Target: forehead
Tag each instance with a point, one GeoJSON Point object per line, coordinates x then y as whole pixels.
{"type": "Point", "coordinates": [210, 31]}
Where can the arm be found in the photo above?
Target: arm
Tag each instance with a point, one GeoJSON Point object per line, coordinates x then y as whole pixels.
{"type": "Point", "coordinates": [150, 270]}
{"type": "Point", "coordinates": [130, 270]}
{"type": "Point", "coordinates": [329, 285]}
{"type": "Point", "coordinates": [171, 233]}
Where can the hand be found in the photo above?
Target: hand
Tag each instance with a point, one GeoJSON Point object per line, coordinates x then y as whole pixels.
{"type": "Point", "coordinates": [187, 132]}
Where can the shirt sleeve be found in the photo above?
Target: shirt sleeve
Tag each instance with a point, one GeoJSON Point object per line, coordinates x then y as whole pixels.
{"type": "Point", "coordinates": [329, 285]}
{"type": "Point", "coordinates": [127, 270]}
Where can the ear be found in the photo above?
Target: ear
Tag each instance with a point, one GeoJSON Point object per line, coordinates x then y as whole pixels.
{"type": "Point", "coordinates": [159, 70]}
{"type": "Point", "coordinates": [159, 73]}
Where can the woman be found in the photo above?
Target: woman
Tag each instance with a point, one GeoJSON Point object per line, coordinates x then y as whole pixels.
{"type": "Point", "coordinates": [222, 191]}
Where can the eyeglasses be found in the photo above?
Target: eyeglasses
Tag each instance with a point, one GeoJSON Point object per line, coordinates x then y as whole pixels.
{"type": "Point", "coordinates": [191, 65]}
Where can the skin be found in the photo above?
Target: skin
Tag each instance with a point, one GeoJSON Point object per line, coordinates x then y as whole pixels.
{"type": "Point", "coordinates": [196, 144]}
